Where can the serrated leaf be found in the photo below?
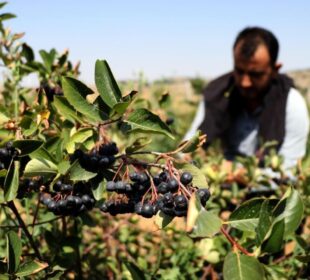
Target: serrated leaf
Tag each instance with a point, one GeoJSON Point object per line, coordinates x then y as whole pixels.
{"type": "Point", "coordinates": [106, 84]}
{"type": "Point", "coordinates": [13, 251]}
{"type": "Point", "coordinates": [79, 137]}
{"type": "Point", "coordinates": [246, 216]}
{"type": "Point", "coordinates": [11, 181]}
{"type": "Point", "coordinates": [242, 267]}
{"type": "Point", "coordinates": [162, 220]}
{"type": "Point", "coordinates": [142, 120]}
{"type": "Point", "coordinates": [76, 92]}
{"type": "Point", "coordinates": [66, 110]}
{"type": "Point", "coordinates": [135, 271]}
{"type": "Point", "coordinates": [40, 167]}
{"type": "Point", "coordinates": [199, 179]}
{"type": "Point", "coordinates": [30, 268]}
{"type": "Point", "coordinates": [77, 173]}
{"type": "Point", "coordinates": [26, 147]}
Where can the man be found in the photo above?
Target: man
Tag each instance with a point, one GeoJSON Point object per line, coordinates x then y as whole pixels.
{"type": "Point", "coordinates": [254, 103]}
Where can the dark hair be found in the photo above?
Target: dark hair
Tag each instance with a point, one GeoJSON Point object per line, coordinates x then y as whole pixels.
{"type": "Point", "coordinates": [252, 37]}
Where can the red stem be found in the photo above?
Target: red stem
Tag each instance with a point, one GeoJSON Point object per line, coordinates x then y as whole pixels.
{"type": "Point", "coordinates": [234, 243]}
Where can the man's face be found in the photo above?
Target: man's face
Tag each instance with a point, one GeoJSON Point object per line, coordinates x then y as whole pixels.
{"type": "Point", "coordinates": [253, 75]}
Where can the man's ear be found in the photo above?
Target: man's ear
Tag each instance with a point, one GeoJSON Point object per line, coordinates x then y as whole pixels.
{"type": "Point", "coordinates": [277, 66]}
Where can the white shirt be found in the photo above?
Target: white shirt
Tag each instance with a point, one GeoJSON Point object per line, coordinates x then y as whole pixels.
{"type": "Point", "coordinates": [245, 137]}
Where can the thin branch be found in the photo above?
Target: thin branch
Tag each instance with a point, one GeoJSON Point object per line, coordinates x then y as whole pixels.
{"type": "Point", "coordinates": [12, 206]}
{"type": "Point", "coordinates": [234, 243]}
{"type": "Point", "coordinates": [31, 225]}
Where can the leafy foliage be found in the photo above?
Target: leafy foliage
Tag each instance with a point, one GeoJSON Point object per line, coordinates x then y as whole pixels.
{"type": "Point", "coordinates": [56, 174]}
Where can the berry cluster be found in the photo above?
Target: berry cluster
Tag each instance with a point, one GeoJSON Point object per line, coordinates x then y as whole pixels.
{"type": "Point", "coordinates": [169, 195]}
{"type": "Point", "coordinates": [7, 154]}
{"type": "Point", "coordinates": [68, 200]}
{"type": "Point", "coordinates": [26, 186]}
{"type": "Point", "coordinates": [98, 159]}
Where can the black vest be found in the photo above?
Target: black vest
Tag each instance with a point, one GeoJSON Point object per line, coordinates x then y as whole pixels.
{"type": "Point", "coordinates": [222, 103]}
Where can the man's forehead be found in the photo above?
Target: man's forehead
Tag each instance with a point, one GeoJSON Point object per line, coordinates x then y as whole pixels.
{"type": "Point", "coordinates": [260, 56]}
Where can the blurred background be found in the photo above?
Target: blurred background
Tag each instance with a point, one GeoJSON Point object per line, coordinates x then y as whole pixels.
{"type": "Point", "coordinates": [162, 39]}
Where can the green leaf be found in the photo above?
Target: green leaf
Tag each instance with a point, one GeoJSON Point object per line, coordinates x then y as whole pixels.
{"type": "Point", "coordinates": [6, 16]}
{"type": "Point", "coordinates": [135, 271]}
{"type": "Point", "coordinates": [28, 125]}
{"type": "Point", "coordinates": [242, 267]}
{"type": "Point", "coordinates": [106, 84]}
{"type": "Point", "coordinates": [265, 220]}
{"type": "Point", "coordinates": [162, 220]}
{"type": "Point", "coordinates": [191, 145]}
{"type": "Point", "coordinates": [79, 137]}
{"type": "Point", "coordinates": [27, 52]}
{"type": "Point", "coordinates": [76, 92]}
{"type": "Point", "coordinates": [77, 173]}
{"type": "Point", "coordinates": [66, 110]}
{"type": "Point", "coordinates": [3, 118]}
{"type": "Point", "coordinates": [207, 224]}
{"type": "Point", "coordinates": [275, 239]}
{"type": "Point", "coordinates": [246, 216]}
{"type": "Point", "coordinates": [63, 167]}
{"type": "Point", "coordinates": [3, 173]}
{"type": "Point", "coordinates": [165, 100]}
{"type": "Point", "coordinates": [100, 190]}
{"type": "Point", "coordinates": [2, 4]}
{"type": "Point", "coordinates": [138, 144]}
{"type": "Point", "coordinates": [291, 209]}
{"type": "Point", "coordinates": [30, 268]}
{"type": "Point", "coordinates": [40, 167]}
{"type": "Point", "coordinates": [48, 58]}
{"type": "Point", "coordinates": [4, 277]}
{"type": "Point", "coordinates": [26, 147]}
{"type": "Point", "coordinates": [42, 153]}
{"type": "Point", "coordinates": [13, 251]}
{"type": "Point", "coordinates": [11, 181]}
{"type": "Point", "coordinates": [199, 179]}
{"type": "Point", "coordinates": [143, 120]}
{"type": "Point", "coordinates": [200, 222]}
{"type": "Point", "coordinates": [120, 108]}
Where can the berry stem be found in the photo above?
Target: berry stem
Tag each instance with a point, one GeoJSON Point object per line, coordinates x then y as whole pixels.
{"type": "Point", "coordinates": [234, 243]}
{"type": "Point", "coordinates": [22, 224]}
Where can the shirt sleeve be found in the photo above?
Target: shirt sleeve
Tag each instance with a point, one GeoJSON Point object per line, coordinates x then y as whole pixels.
{"type": "Point", "coordinates": [296, 129]}
{"type": "Point", "coordinates": [200, 114]}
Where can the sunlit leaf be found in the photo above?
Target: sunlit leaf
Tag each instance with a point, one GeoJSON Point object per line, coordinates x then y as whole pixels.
{"type": "Point", "coordinates": [242, 267]}
{"type": "Point", "coordinates": [142, 120]}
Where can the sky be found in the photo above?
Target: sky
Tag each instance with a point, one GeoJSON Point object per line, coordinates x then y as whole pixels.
{"type": "Point", "coordinates": [160, 39]}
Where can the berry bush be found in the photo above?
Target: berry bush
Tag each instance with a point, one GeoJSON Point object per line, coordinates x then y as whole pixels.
{"type": "Point", "coordinates": [84, 196]}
